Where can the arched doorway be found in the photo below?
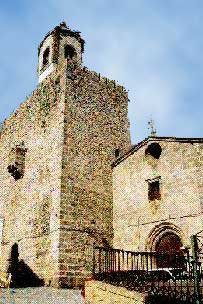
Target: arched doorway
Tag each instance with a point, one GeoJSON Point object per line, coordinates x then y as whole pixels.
{"type": "Point", "coordinates": [168, 249]}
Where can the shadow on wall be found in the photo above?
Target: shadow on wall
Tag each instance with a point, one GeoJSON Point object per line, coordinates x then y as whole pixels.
{"type": "Point", "coordinates": [22, 274]}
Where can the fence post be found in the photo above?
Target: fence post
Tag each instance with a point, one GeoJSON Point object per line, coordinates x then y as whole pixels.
{"type": "Point", "coordinates": [99, 260]}
{"type": "Point", "coordinates": [94, 260]}
{"type": "Point", "coordinates": [195, 272]}
{"type": "Point", "coordinates": [119, 261]}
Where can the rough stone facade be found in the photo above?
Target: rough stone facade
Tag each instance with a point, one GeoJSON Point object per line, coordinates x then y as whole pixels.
{"type": "Point", "coordinates": [30, 206]}
{"type": "Point", "coordinates": [142, 218]}
{"type": "Point", "coordinates": [96, 115]}
{"type": "Point", "coordinates": [56, 152]}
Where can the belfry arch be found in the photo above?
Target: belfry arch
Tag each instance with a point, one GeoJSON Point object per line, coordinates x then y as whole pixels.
{"type": "Point", "coordinates": [166, 240]}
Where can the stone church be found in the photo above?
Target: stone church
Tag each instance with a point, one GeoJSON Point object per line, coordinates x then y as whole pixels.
{"type": "Point", "coordinates": [71, 179]}
{"type": "Point", "coordinates": [158, 195]}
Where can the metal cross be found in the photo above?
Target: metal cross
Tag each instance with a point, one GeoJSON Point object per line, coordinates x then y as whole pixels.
{"type": "Point", "coordinates": [152, 127]}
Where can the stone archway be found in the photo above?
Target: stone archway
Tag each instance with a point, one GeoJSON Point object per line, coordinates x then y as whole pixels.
{"type": "Point", "coordinates": [166, 240]}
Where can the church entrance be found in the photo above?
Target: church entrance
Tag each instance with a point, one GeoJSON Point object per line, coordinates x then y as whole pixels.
{"type": "Point", "coordinates": [168, 249]}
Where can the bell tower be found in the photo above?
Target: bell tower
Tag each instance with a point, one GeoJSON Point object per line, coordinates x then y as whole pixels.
{"type": "Point", "coordinates": [59, 46]}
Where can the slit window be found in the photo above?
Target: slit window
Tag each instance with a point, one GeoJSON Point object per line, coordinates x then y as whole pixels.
{"type": "Point", "coordinates": [154, 190]}
{"type": "Point", "coordinates": [117, 153]}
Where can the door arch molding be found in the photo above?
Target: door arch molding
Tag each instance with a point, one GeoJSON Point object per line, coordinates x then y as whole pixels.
{"type": "Point", "coordinates": [159, 231]}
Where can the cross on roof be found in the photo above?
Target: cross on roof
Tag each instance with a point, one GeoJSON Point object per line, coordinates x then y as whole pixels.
{"type": "Point", "coordinates": [152, 127]}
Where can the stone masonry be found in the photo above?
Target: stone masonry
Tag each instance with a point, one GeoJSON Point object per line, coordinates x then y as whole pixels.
{"type": "Point", "coordinates": [140, 219]}
{"type": "Point", "coordinates": [56, 152]}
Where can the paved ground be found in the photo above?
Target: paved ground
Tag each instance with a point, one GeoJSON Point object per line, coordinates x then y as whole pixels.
{"type": "Point", "coordinates": [43, 295]}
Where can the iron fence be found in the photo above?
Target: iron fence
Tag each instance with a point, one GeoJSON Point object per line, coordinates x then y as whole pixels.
{"type": "Point", "coordinates": [163, 278]}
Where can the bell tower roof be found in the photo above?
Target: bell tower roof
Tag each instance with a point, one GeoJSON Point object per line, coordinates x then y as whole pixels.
{"type": "Point", "coordinates": [60, 46]}
{"type": "Point", "coordinates": [65, 30]}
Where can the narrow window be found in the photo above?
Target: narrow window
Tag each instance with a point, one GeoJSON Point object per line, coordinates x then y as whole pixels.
{"type": "Point", "coordinates": [117, 153]}
{"type": "Point", "coordinates": [154, 190]}
{"type": "Point", "coordinates": [46, 56]}
{"type": "Point", "coordinates": [69, 52]}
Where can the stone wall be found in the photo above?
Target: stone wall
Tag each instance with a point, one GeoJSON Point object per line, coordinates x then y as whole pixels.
{"type": "Point", "coordinates": [69, 130]}
{"type": "Point", "coordinates": [30, 204]}
{"type": "Point", "coordinates": [96, 125]}
{"type": "Point", "coordinates": [138, 221]}
{"type": "Point", "coordinates": [99, 292]}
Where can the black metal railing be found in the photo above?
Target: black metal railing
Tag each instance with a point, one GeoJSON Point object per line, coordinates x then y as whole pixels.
{"type": "Point", "coordinates": [163, 277]}
{"type": "Point", "coordinates": [114, 260]}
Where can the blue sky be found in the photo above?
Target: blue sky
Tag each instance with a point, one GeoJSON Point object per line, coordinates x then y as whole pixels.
{"type": "Point", "coordinates": [152, 47]}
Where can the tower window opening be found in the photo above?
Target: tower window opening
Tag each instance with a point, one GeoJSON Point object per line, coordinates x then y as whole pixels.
{"type": "Point", "coordinates": [154, 190]}
{"type": "Point", "coordinates": [117, 153]}
{"type": "Point", "coordinates": [46, 56]}
{"type": "Point", "coordinates": [69, 52]}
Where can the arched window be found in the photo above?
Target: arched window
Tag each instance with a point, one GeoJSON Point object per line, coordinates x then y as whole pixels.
{"type": "Point", "coordinates": [154, 149]}
{"type": "Point", "coordinates": [46, 56]}
{"type": "Point", "coordinates": [69, 52]}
